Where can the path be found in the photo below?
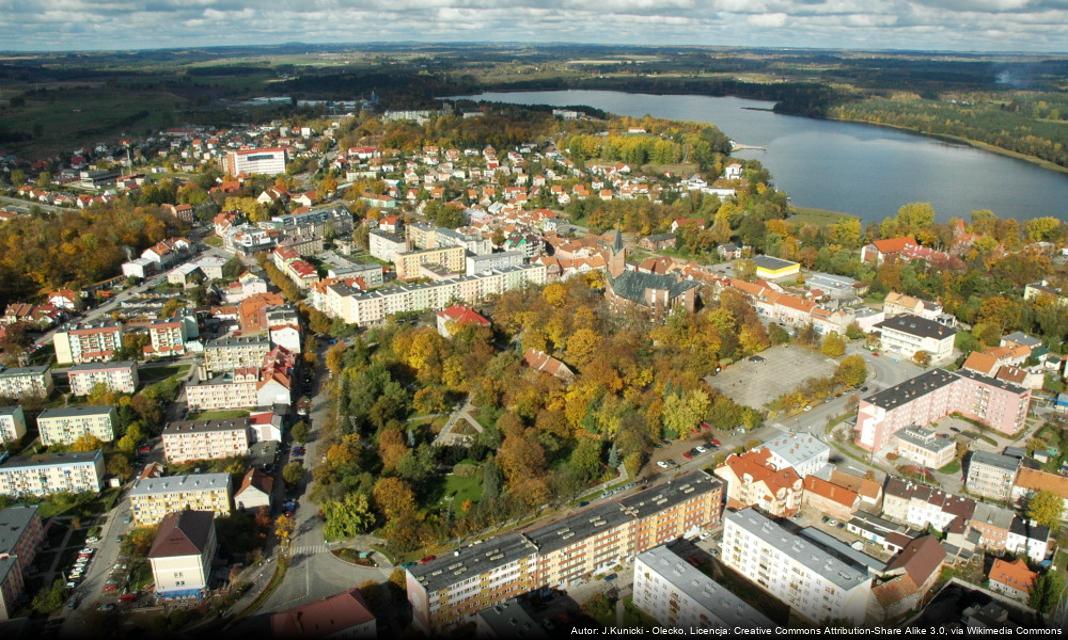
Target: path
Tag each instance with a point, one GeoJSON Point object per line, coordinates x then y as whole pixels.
{"type": "Point", "coordinates": [447, 437]}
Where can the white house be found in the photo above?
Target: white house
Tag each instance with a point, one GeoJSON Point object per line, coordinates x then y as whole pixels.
{"type": "Point", "coordinates": [182, 552]}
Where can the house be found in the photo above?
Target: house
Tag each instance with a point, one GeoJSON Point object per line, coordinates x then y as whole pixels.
{"type": "Point", "coordinates": [658, 242]}
{"type": "Point", "coordinates": [1043, 289]}
{"type": "Point", "coordinates": [992, 523]}
{"type": "Point", "coordinates": [907, 335]}
{"type": "Point", "coordinates": [1013, 579]}
{"type": "Point", "coordinates": [913, 571]}
{"type": "Point", "coordinates": [828, 498]}
{"type": "Point", "coordinates": [1030, 481]}
{"type": "Point", "coordinates": [920, 506]}
{"type": "Point", "coordinates": [452, 318]}
{"type": "Point", "coordinates": [1029, 538]}
{"type": "Point", "coordinates": [182, 553]}
{"type": "Point", "coordinates": [772, 268]}
{"type": "Point", "coordinates": [541, 361]}
{"type": "Point", "coordinates": [729, 251]}
{"type": "Point", "coordinates": [869, 491]}
{"type": "Point", "coordinates": [896, 304]}
{"type": "Point", "coordinates": [345, 615]}
{"type": "Point", "coordinates": [991, 475]}
{"type": "Point", "coordinates": [879, 251]}
{"type": "Point", "coordinates": [753, 481]}
{"type": "Point", "coordinates": [255, 490]}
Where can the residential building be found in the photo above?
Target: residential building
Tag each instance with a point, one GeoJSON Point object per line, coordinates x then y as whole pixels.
{"type": "Point", "coordinates": [182, 553]}
{"type": "Point", "coordinates": [409, 266]}
{"type": "Point", "coordinates": [186, 440]}
{"type": "Point", "coordinates": [937, 393]}
{"type": "Point", "coordinates": [153, 498]}
{"type": "Point", "coordinates": [651, 292]}
{"type": "Point", "coordinates": [892, 537]}
{"type": "Point", "coordinates": [907, 335]}
{"type": "Point", "coordinates": [47, 473]}
{"type": "Point", "coordinates": [992, 523]}
{"type": "Point", "coordinates": [120, 377]}
{"type": "Point", "coordinates": [12, 423]}
{"type": "Point", "coordinates": [506, 621]}
{"type": "Point", "coordinates": [905, 248]}
{"type": "Point", "coordinates": [920, 506]}
{"type": "Point", "coordinates": [451, 319]}
{"type": "Point", "coordinates": [912, 573]}
{"type": "Point", "coordinates": [167, 337]}
{"type": "Point", "coordinates": [771, 268]}
{"type": "Point", "coordinates": [753, 481]}
{"type": "Point", "coordinates": [1027, 537]}
{"type": "Point", "coordinates": [255, 490]}
{"type": "Point", "coordinates": [489, 261]}
{"type": "Point", "coordinates": [26, 382]}
{"type": "Point", "coordinates": [283, 327]}
{"type": "Point", "coordinates": [869, 490]}
{"type": "Point", "coordinates": [344, 616]}
{"type": "Point", "coordinates": [87, 342]}
{"type": "Point", "coordinates": [1030, 481]}
{"type": "Point", "coordinates": [991, 475]}
{"type": "Point", "coordinates": [896, 304]}
{"type": "Point", "coordinates": [1043, 288]}
{"type": "Point", "coordinates": [1012, 579]}
{"type": "Point", "coordinates": [815, 581]}
{"type": "Point", "coordinates": [674, 593]}
{"type": "Point", "coordinates": [925, 447]}
{"type": "Point", "coordinates": [801, 451]}
{"type": "Point", "coordinates": [446, 591]}
{"type": "Point", "coordinates": [822, 496]}
{"type": "Point", "coordinates": [21, 535]}
{"type": "Point", "coordinates": [64, 425]}
{"type": "Point", "coordinates": [385, 245]}
{"type": "Point", "coordinates": [269, 161]}
{"type": "Point", "coordinates": [233, 352]}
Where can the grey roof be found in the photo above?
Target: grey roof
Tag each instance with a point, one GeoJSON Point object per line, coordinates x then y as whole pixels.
{"type": "Point", "coordinates": [1003, 462]}
{"type": "Point", "coordinates": [725, 609]}
{"type": "Point", "coordinates": [510, 620]}
{"type": "Point", "coordinates": [13, 522]}
{"type": "Point", "coordinates": [874, 524]}
{"type": "Point", "coordinates": [6, 565]}
{"type": "Point", "coordinates": [469, 562]}
{"type": "Point", "coordinates": [174, 484]}
{"type": "Point", "coordinates": [601, 517]}
{"type": "Point", "coordinates": [237, 341]}
{"type": "Point", "coordinates": [994, 382]}
{"type": "Point", "coordinates": [1021, 526]}
{"type": "Point", "coordinates": [911, 389]}
{"type": "Point", "coordinates": [1021, 338]}
{"type": "Point", "coordinates": [202, 426]}
{"type": "Point", "coordinates": [796, 448]}
{"type": "Point", "coordinates": [993, 515]}
{"type": "Point", "coordinates": [843, 550]}
{"type": "Point", "coordinates": [925, 438]}
{"type": "Point", "coordinates": [771, 262]}
{"type": "Point", "coordinates": [657, 237]}
{"type": "Point", "coordinates": [103, 366]}
{"type": "Point", "coordinates": [633, 284]}
{"type": "Point", "coordinates": [53, 459]}
{"type": "Point", "coordinates": [10, 411]}
{"type": "Point", "coordinates": [830, 566]}
{"type": "Point", "coordinates": [23, 371]}
{"type": "Point", "coordinates": [76, 411]}
{"type": "Point", "coordinates": [917, 326]}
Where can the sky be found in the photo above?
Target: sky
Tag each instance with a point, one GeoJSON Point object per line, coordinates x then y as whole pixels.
{"type": "Point", "coordinates": [958, 25]}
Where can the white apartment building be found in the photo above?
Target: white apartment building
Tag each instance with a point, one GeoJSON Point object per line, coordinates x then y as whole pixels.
{"type": "Point", "coordinates": [232, 352]}
{"type": "Point", "coordinates": [233, 390]}
{"type": "Point", "coordinates": [924, 446]}
{"type": "Point", "coordinates": [801, 452]}
{"type": "Point", "coordinates": [88, 342]}
{"type": "Point", "coordinates": [64, 425]}
{"type": "Point", "coordinates": [269, 161]}
{"type": "Point", "coordinates": [26, 382]}
{"type": "Point", "coordinates": [920, 506]}
{"type": "Point", "coordinates": [167, 337]}
{"type": "Point", "coordinates": [676, 594]}
{"type": "Point", "coordinates": [182, 553]}
{"type": "Point", "coordinates": [385, 245]}
{"type": "Point", "coordinates": [815, 582]}
{"type": "Point", "coordinates": [120, 377]}
{"type": "Point", "coordinates": [187, 440]}
{"type": "Point", "coordinates": [153, 498]}
{"type": "Point", "coordinates": [283, 325]}
{"type": "Point", "coordinates": [12, 423]}
{"type": "Point", "coordinates": [906, 335]}
{"type": "Point", "coordinates": [48, 473]}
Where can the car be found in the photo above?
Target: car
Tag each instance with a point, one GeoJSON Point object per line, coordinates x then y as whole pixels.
{"type": "Point", "coordinates": [671, 463]}
{"type": "Point", "coordinates": [705, 426]}
{"type": "Point", "coordinates": [807, 408]}
{"type": "Point", "coordinates": [107, 606]}
{"type": "Point", "coordinates": [715, 442]}
{"type": "Point", "coordinates": [584, 503]}
{"type": "Point", "coordinates": [92, 540]}
{"type": "Point", "coordinates": [688, 454]}
{"type": "Point", "coordinates": [128, 597]}
{"type": "Point", "coordinates": [662, 464]}
{"type": "Point", "coordinates": [832, 522]}
{"type": "Point", "coordinates": [956, 429]}
{"type": "Point", "coordinates": [700, 449]}
{"type": "Point", "coordinates": [71, 584]}
{"type": "Point", "coordinates": [875, 353]}
{"type": "Point", "coordinates": [756, 359]}
{"type": "Point", "coordinates": [864, 388]}
{"type": "Point", "coordinates": [72, 603]}
{"type": "Point", "coordinates": [143, 449]}
{"type": "Point", "coordinates": [111, 586]}
{"type": "Point", "coordinates": [427, 559]}
{"type": "Point", "coordinates": [703, 537]}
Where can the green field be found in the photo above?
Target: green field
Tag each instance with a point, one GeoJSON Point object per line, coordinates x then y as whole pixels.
{"type": "Point", "coordinates": [462, 488]}
{"type": "Point", "coordinates": [148, 375]}
{"type": "Point", "coordinates": [818, 217]}
{"type": "Point", "coordinates": [222, 414]}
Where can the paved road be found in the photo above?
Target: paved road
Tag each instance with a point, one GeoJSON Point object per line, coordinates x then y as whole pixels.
{"type": "Point", "coordinates": [91, 589]}
{"type": "Point", "coordinates": [20, 205]}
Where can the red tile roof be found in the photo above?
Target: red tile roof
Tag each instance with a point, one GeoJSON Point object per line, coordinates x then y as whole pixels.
{"type": "Point", "coordinates": [831, 491]}
{"type": "Point", "coordinates": [323, 618]}
{"type": "Point", "coordinates": [1013, 574]}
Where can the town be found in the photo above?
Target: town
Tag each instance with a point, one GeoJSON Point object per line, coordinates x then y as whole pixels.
{"type": "Point", "coordinates": [507, 371]}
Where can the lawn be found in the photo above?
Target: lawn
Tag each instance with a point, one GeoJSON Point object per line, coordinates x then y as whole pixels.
{"type": "Point", "coordinates": [221, 414]}
{"type": "Point", "coordinates": [462, 488]}
{"type": "Point", "coordinates": [148, 375]}
{"type": "Point", "coordinates": [817, 217]}
{"type": "Point", "coordinates": [952, 467]}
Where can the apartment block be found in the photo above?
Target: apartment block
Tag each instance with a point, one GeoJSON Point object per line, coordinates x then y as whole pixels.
{"type": "Point", "coordinates": [153, 498]}
{"type": "Point", "coordinates": [906, 335]}
{"type": "Point", "coordinates": [919, 506]}
{"type": "Point", "coordinates": [991, 475]}
{"type": "Point", "coordinates": [385, 245]}
{"type": "Point", "coordinates": [21, 535]}
{"type": "Point", "coordinates": [268, 161]}
{"type": "Point", "coordinates": [187, 440]}
{"type": "Point", "coordinates": [47, 473]}
{"type": "Point", "coordinates": [371, 307]}
{"type": "Point", "coordinates": [120, 377]}
{"type": "Point", "coordinates": [816, 582]}
{"type": "Point", "coordinates": [675, 594]}
{"type": "Point", "coordinates": [87, 342]}
{"type": "Point", "coordinates": [409, 265]}
{"type": "Point", "coordinates": [446, 591]}
{"type": "Point", "coordinates": [12, 423]}
{"type": "Point", "coordinates": [269, 384]}
{"type": "Point", "coordinates": [802, 452]}
{"type": "Point", "coordinates": [64, 425]}
{"type": "Point", "coordinates": [167, 337]}
{"type": "Point", "coordinates": [26, 382]}
{"type": "Point", "coordinates": [489, 261]}
{"type": "Point", "coordinates": [752, 481]}
{"type": "Point", "coordinates": [934, 394]}
{"type": "Point", "coordinates": [233, 352]}
{"type": "Point", "coordinates": [925, 447]}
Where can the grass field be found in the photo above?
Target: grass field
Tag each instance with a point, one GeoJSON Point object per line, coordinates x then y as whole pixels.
{"type": "Point", "coordinates": [222, 414]}
{"type": "Point", "coordinates": [461, 489]}
{"type": "Point", "coordinates": [148, 375]}
{"type": "Point", "coordinates": [819, 217]}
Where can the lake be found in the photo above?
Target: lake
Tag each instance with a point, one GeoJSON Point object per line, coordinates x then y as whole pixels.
{"type": "Point", "coordinates": [861, 169]}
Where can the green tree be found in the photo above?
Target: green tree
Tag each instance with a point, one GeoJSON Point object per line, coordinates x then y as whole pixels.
{"type": "Point", "coordinates": [300, 432]}
{"type": "Point", "coordinates": [833, 345]}
{"type": "Point", "coordinates": [348, 517]}
{"type": "Point", "coordinates": [1046, 591]}
{"type": "Point", "coordinates": [293, 473]}
{"type": "Point", "coordinates": [852, 371]}
{"type": "Point", "coordinates": [49, 599]}
{"type": "Point", "coordinates": [1045, 508]}
{"type": "Point", "coordinates": [681, 413]}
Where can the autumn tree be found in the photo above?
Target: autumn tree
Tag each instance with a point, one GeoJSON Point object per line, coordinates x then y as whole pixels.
{"type": "Point", "coordinates": [852, 371]}
{"type": "Point", "coordinates": [348, 517]}
{"type": "Point", "coordinates": [1045, 508]}
{"type": "Point", "coordinates": [394, 498]}
{"type": "Point", "coordinates": [86, 442]}
{"type": "Point", "coordinates": [833, 345]}
{"type": "Point", "coordinates": [293, 473]}
{"type": "Point", "coordinates": [283, 529]}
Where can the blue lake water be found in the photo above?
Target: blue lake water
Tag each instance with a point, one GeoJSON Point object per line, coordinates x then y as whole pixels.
{"type": "Point", "coordinates": [865, 170]}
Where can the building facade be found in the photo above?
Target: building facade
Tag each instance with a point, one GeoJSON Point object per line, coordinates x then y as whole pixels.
{"type": "Point", "coordinates": [12, 424]}
{"type": "Point", "coordinates": [153, 498]}
{"type": "Point", "coordinates": [269, 161]}
{"type": "Point", "coordinates": [26, 382]}
{"type": "Point", "coordinates": [120, 377]}
{"type": "Point", "coordinates": [64, 425]}
{"type": "Point", "coordinates": [87, 342]}
{"type": "Point", "coordinates": [182, 553]}
{"type": "Point", "coordinates": [233, 352]}
{"type": "Point", "coordinates": [187, 440]}
{"type": "Point", "coordinates": [47, 473]}
{"type": "Point", "coordinates": [906, 335]}
{"type": "Point", "coordinates": [991, 475]}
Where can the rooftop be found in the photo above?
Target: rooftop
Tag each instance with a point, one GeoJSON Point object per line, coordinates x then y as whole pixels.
{"type": "Point", "coordinates": [913, 388]}
{"type": "Point", "coordinates": [925, 439]}
{"type": "Point", "coordinates": [202, 426]}
{"type": "Point", "coordinates": [324, 618]}
{"type": "Point", "coordinates": [510, 620]}
{"type": "Point", "coordinates": [13, 521]}
{"type": "Point", "coordinates": [102, 366]}
{"type": "Point", "coordinates": [183, 533]}
{"type": "Point", "coordinates": [917, 326]}
{"type": "Point", "coordinates": [173, 484]}
{"type": "Point", "coordinates": [76, 411]}
{"type": "Point", "coordinates": [797, 448]}
{"type": "Point", "coordinates": [772, 263]}
{"type": "Point", "coordinates": [1003, 462]}
{"type": "Point", "coordinates": [54, 459]}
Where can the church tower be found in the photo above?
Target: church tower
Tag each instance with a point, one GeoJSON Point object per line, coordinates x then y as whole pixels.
{"type": "Point", "coordinates": [617, 256]}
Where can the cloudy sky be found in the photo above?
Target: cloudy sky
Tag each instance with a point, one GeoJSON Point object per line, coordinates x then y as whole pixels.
{"type": "Point", "coordinates": [970, 25]}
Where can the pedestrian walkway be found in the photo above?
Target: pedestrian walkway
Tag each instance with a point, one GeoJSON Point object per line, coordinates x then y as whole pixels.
{"type": "Point", "coordinates": [308, 550]}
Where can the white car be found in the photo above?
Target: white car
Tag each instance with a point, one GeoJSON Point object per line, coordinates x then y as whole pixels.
{"type": "Point", "coordinates": [662, 464]}
{"type": "Point", "coordinates": [700, 449]}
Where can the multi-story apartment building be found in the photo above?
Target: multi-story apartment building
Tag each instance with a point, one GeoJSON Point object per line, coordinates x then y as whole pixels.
{"type": "Point", "coordinates": [283, 326]}
{"type": "Point", "coordinates": [47, 473]}
{"type": "Point", "coordinates": [120, 377]}
{"type": "Point", "coordinates": [408, 265]}
{"type": "Point", "coordinates": [675, 594]}
{"type": "Point", "coordinates": [920, 506]}
{"type": "Point", "coordinates": [21, 535]}
{"type": "Point", "coordinates": [12, 423]}
{"type": "Point", "coordinates": [490, 261]}
{"type": "Point", "coordinates": [447, 590]}
{"type": "Point", "coordinates": [233, 352]}
{"type": "Point", "coordinates": [182, 553]}
{"type": "Point", "coordinates": [153, 498]}
{"type": "Point", "coordinates": [816, 582]}
{"type": "Point", "coordinates": [26, 382]}
{"type": "Point", "coordinates": [371, 307]}
{"type": "Point", "coordinates": [991, 475]}
{"type": "Point", "coordinates": [752, 481]}
{"type": "Point", "coordinates": [906, 335]}
{"type": "Point", "coordinates": [385, 245]}
{"type": "Point", "coordinates": [935, 394]}
{"type": "Point", "coordinates": [269, 161]}
{"type": "Point", "coordinates": [167, 337]}
{"type": "Point", "coordinates": [187, 440]}
{"type": "Point", "coordinates": [64, 425]}
{"type": "Point", "coordinates": [87, 342]}
{"type": "Point", "coordinates": [269, 384]}
{"type": "Point", "coordinates": [925, 447]}
{"type": "Point", "coordinates": [802, 452]}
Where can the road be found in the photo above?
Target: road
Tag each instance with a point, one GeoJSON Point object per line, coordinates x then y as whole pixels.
{"type": "Point", "coordinates": [20, 205]}
{"type": "Point", "coordinates": [91, 589]}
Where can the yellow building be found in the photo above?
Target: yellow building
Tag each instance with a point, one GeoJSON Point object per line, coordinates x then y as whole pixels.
{"type": "Point", "coordinates": [451, 258]}
{"type": "Point", "coordinates": [153, 498]}
{"type": "Point", "coordinates": [770, 268]}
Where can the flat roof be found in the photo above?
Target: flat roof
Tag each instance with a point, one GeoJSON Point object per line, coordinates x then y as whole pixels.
{"type": "Point", "coordinates": [24, 371]}
{"type": "Point", "coordinates": [913, 388]}
{"type": "Point", "coordinates": [75, 411]}
{"type": "Point", "coordinates": [917, 326]}
{"type": "Point", "coordinates": [471, 561]}
{"type": "Point", "coordinates": [173, 484]}
{"type": "Point", "coordinates": [805, 551]}
{"type": "Point", "coordinates": [925, 439]}
{"type": "Point", "coordinates": [1001, 461]}
{"type": "Point", "coordinates": [54, 459]}
{"type": "Point", "coordinates": [201, 426]}
{"type": "Point", "coordinates": [796, 448]}
{"type": "Point", "coordinates": [848, 553]}
{"type": "Point", "coordinates": [237, 341]}
{"type": "Point", "coordinates": [771, 262]}
{"type": "Point", "coordinates": [601, 517]}
{"type": "Point", "coordinates": [103, 366]}
{"type": "Point", "coordinates": [726, 609]}
{"type": "Point", "coordinates": [510, 620]}
{"type": "Point", "coordinates": [993, 382]}
{"type": "Point", "coordinates": [13, 522]}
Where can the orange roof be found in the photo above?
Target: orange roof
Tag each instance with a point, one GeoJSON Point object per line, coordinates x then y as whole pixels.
{"type": "Point", "coordinates": [894, 245]}
{"type": "Point", "coordinates": [841, 495]}
{"type": "Point", "coordinates": [863, 486]}
{"type": "Point", "coordinates": [542, 361]}
{"type": "Point", "coordinates": [1013, 574]}
{"type": "Point", "coordinates": [895, 590]}
{"type": "Point", "coordinates": [1036, 480]}
{"type": "Point", "coordinates": [324, 618]}
{"type": "Point", "coordinates": [463, 315]}
{"type": "Point", "coordinates": [981, 362]}
{"type": "Point", "coordinates": [755, 464]}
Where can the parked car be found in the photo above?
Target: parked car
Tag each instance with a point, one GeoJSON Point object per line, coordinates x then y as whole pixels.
{"type": "Point", "coordinates": [715, 442]}
{"type": "Point", "coordinates": [427, 559]}
{"type": "Point", "coordinates": [662, 464]}
{"type": "Point", "coordinates": [700, 449]}
{"type": "Point", "coordinates": [688, 454]}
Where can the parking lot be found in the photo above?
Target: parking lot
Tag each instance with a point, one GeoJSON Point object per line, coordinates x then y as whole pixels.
{"type": "Point", "coordinates": [773, 373]}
